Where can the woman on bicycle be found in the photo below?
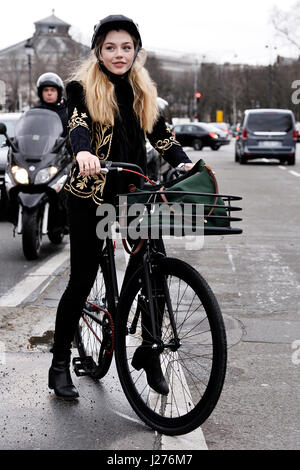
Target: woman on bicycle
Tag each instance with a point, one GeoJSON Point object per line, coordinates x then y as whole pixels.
{"type": "Point", "coordinates": [112, 106]}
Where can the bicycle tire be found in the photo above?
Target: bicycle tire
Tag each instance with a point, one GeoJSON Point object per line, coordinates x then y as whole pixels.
{"type": "Point", "coordinates": [94, 336]}
{"type": "Point", "coordinates": [199, 374]}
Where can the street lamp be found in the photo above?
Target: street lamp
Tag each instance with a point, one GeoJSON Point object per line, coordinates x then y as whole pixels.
{"type": "Point", "coordinates": [197, 94]}
{"type": "Point", "coordinates": [270, 75]}
{"type": "Point", "coordinates": [196, 67]}
{"type": "Point", "coordinates": [29, 52]}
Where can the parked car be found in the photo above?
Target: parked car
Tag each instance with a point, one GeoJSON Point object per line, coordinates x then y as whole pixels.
{"type": "Point", "coordinates": [10, 120]}
{"type": "Point", "coordinates": [223, 126]}
{"type": "Point", "coordinates": [267, 133]}
{"type": "Point", "coordinates": [199, 135]}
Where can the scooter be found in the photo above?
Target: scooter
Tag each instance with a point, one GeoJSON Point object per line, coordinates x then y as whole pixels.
{"type": "Point", "coordinates": [38, 166]}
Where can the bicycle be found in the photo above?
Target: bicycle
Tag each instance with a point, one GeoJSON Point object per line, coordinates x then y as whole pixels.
{"type": "Point", "coordinates": [166, 306]}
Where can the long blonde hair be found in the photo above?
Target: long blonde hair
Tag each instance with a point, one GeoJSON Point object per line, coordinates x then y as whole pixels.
{"type": "Point", "coordinates": [100, 96]}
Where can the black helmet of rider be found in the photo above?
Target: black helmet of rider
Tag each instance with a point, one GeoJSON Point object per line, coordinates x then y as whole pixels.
{"type": "Point", "coordinates": [117, 22]}
{"type": "Point", "coordinates": [50, 79]}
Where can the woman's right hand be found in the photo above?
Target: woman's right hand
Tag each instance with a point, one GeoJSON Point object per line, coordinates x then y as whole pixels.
{"type": "Point", "coordinates": [88, 163]}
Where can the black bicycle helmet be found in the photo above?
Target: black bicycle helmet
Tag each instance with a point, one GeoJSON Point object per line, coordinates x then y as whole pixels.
{"type": "Point", "coordinates": [116, 22]}
{"type": "Point", "coordinates": [50, 79]}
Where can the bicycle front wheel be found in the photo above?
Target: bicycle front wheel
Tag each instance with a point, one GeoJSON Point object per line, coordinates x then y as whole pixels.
{"type": "Point", "coordinates": [192, 347]}
{"type": "Point", "coordinates": [94, 336]}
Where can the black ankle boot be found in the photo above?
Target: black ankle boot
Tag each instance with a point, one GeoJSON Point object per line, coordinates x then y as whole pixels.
{"type": "Point", "coordinates": [60, 377]}
{"type": "Point", "coordinates": [147, 359]}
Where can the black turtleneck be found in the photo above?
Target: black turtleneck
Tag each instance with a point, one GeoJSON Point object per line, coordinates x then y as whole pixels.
{"type": "Point", "coordinates": [128, 142]}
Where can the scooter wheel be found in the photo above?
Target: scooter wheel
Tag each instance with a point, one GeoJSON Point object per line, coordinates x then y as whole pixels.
{"type": "Point", "coordinates": [32, 234]}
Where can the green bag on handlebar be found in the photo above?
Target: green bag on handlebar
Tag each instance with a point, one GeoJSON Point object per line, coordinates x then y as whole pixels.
{"type": "Point", "coordinates": [186, 189]}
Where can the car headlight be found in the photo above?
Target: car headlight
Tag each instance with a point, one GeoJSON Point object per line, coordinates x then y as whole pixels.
{"type": "Point", "coordinates": [20, 174]}
{"type": "Point", "coordinates": [44, 175]}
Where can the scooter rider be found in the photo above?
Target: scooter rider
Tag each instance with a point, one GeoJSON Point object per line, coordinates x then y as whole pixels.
{"type": "Point", "coordinates": [50, 89]}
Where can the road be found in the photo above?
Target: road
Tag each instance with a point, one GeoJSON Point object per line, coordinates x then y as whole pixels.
{"type": "Point", "coordinates": [256, 278]}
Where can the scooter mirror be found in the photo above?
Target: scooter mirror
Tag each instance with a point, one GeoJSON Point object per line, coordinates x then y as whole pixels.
{"type": "Point", "coordinates": [3, 129]}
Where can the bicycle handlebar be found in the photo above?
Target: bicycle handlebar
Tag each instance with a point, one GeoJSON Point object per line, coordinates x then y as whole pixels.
{"type": "Point", "coordinates": [107, 165]}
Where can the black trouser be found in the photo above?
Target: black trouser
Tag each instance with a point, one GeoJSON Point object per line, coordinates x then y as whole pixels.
{"type": "Point", "coordinates": [85, 251]}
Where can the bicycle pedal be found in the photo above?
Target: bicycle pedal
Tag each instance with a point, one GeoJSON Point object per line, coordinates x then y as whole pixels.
{"type": "Point", "coordinates": [83, 365]}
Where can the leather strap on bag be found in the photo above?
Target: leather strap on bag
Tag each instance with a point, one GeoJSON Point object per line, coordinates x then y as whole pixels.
{"type": "Point", "coordinates": [138, 248]}
{"type": "Point", "coordinates": [216, 187]}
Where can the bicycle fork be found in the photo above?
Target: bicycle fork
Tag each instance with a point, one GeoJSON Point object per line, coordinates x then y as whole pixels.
{"type": "Point", "coordinates": [158, 296]}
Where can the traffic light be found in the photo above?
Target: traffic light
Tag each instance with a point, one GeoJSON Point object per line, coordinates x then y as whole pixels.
{"type": "Point", "coordinates": [198, 96]}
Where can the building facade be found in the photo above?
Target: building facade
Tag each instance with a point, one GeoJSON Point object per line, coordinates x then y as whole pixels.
{"type": "Point", "coordinates": [51, 48]}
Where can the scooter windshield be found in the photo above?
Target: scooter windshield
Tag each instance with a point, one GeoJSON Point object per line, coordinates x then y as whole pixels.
{"type": "Point", "coordinates": [37, 131]}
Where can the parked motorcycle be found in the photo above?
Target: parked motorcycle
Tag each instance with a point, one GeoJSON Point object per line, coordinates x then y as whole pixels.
{"type": "Point", "coordinates": [38, 166]}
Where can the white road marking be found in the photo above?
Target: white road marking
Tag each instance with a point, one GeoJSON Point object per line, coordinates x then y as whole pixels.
{"type": "Point", "coordinates": [230, 257]}
{"type": "Point", "coordinates": [129, 418]}
{"type": "Point", "coordinates": [193, 440]}
{"type": "Point", "coordinates": [294, 173]}
{"type": "Point", "coordinates": [33, 280]}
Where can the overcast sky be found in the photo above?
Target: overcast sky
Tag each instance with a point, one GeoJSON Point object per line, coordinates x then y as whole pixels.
{"type": "Point", "coordinates": [229, 30]}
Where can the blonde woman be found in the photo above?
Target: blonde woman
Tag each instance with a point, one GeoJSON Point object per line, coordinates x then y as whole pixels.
{"type": "Point", "coordinates": [112, 106]}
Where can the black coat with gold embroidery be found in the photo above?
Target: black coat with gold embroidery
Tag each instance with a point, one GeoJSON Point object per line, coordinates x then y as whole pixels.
{"type": "Point", "coordinates": [123, 142]}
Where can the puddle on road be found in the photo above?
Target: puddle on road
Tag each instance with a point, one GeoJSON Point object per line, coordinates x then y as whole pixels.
{"type": "Point", "coordinates": [45, 340]}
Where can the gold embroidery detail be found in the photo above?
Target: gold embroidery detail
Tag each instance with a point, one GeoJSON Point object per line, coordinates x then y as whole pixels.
{"type": "Point", "coordinates": [101, 136]}
{"type": "Point", "coordinates": [86, 186]}
{"type": "Point", "coordinates": [163, 145]}
{"type": "Point", "coordinates": [77, 120]}
{"type": "Point", "coordinates": [101, 140]}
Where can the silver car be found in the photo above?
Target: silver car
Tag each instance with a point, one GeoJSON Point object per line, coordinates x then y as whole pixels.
{"type": "Point", "coordinates": [267, 133]}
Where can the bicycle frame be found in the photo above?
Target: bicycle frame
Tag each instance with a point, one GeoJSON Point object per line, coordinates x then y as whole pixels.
{"type": "Point", "coordinates": [109, 258]}
{"type": "Point", "coordinates": [149, 256]}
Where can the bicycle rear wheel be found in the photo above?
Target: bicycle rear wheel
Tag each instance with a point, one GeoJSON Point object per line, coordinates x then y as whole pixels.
{"type": "Point", "coordinates": [94, 336]}
{"type": "Point", "coordinates": [195, 369]}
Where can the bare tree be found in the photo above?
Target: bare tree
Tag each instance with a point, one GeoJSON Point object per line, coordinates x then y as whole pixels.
{"type": "Point", "coordinates": [287, 24]}
{"type": "Point", "coordinates": [11, 73]}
